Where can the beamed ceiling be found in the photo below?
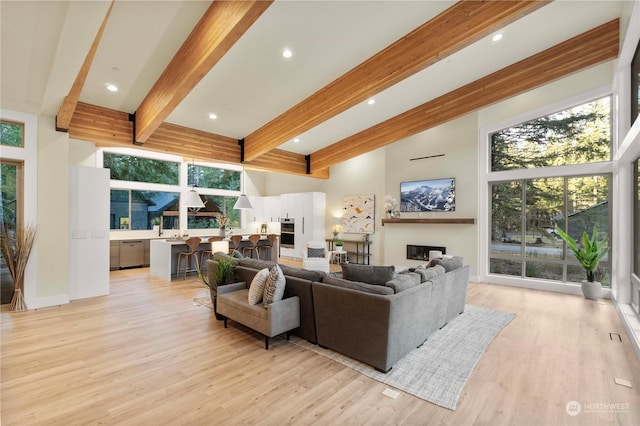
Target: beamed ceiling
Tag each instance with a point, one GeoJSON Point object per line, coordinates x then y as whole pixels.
{"type": "Point", "coordinates": [176, 62]}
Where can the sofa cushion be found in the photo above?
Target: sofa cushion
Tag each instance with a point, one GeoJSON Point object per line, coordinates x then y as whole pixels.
{"type": "Point", "coordinates": [256, 263]}
{"type": "Point", "coordinates": [430, 273]}
{"type": "Point", "coordinates": [301, 273]}
{"type": "Point", "coordinates": [356, 285]}
{"type": "Point", "coordinates": [274, 286]}
{"type": "Point", "coordinates": [404, 281]}
{"type": "Point", "coordinates": [377, 275]}
{"type": "Point", "coordinates": [256, 289]}
{"type": "Point", "coordinates": [449, 264]}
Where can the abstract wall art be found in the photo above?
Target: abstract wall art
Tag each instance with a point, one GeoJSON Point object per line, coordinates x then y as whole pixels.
{"type": "Point", "coordinates": [358, 214]}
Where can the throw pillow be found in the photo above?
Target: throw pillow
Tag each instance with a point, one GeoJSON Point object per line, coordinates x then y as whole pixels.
{"type": "Point", "coordinates": [404, 281]}
{"type": "Point", "coordinates": [315, 252]}
{"type": "Point", "coordinates": [377, 275]}
{"type": "Point", "coordinates": [274, 287]}
{"type": "Point", "coordinates": [256, 289]}
{"type": "Point", "coordinates": [430, 273]}
{"type": "Point", "coordinates": [450, 264]}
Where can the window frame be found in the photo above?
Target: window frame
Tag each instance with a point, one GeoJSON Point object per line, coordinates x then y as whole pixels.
{"type": "Point", "coordinates": [182, 188]}
{"type": "Point", "coordinates": [487, 177]}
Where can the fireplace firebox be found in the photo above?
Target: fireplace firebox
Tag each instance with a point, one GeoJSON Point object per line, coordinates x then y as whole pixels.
{"type": "Point", "coordinates": [422, 252]}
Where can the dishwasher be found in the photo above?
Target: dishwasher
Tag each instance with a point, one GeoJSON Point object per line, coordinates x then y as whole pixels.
{"type": "Point", "coordinates": [131, 253]}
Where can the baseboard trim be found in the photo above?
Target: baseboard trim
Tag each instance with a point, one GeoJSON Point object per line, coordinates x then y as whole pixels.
{"type": "Point", "coordinates": [44, 302]}
{"type": "Point", "coordinates": [631, 324]}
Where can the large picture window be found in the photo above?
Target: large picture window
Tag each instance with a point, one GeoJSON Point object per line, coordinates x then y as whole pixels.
{"type": "Point", "coordinates": [139, 169]}
{"type": "Point", "coordinates": [140, 210]}
{"type": "Point", "coordinates": [578, 135]}
{"type": "Point", "coordinates": [547, 173]}
{"type": "Point", "coordinates": [524, 217]}
{"type": "Point", "coordinates": [146, 190]}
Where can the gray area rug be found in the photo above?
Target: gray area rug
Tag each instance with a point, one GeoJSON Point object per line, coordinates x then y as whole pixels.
{"type": "Point", "coordinates": [439, 369]}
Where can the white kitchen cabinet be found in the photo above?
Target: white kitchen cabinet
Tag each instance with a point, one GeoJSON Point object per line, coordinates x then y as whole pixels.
{"type": "Point", "coordinates": [257, 212]}
{"type": "Point", "coordinates": [272, 208]}
{"type": "Point", "coordinates": [89, 246]}
{"type": "Point", "coordinates": [308, 210]}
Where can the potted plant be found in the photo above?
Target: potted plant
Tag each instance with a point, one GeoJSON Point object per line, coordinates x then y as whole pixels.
{"type": "Point", "coordinates": [589, 254]}
{"type": "Point", "coordinates": [221, 276]}
{"type": "Point", "coordinates": [339, 243]}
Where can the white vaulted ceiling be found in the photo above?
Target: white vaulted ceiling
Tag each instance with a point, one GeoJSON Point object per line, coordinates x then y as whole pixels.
{"type": "Point", "coordinates": [45, 42]}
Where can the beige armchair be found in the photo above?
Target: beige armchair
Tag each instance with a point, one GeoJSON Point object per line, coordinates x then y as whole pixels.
{"type": "Point", "coordinates": [316, 257]}
{"type": "Point", "coordinates": [271, 320]}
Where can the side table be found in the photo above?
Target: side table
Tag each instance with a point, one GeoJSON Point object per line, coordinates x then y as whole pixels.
{"type": "Point", "coordinates": [339, 257]}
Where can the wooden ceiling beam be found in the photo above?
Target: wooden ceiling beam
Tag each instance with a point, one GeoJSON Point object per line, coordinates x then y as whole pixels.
{"type": "Point", "coordinates": [585, 50]}
{"type": "Point", "coordinates": [68, 107]}
{"type": "Point", "coordinates": [217, 31]}
{"type": "Point", "coordinates": [110, 128]}
{"type": "Point", "coordinates": [455, 28]}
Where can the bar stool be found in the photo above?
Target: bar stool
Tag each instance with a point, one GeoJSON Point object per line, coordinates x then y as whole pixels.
{"type": "Point", "coordinates": [208, 253]}
{"type": "Point", "coordinates": [193, 244]}
{"type": "Point", "coordinates": [268, 246]}
{"type": "Point", "coordinates": [234, 242]}
{"type": "Point", "coordinates": [252, 247]}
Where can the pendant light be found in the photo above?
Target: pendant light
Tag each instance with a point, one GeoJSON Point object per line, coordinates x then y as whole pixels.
{"type": "Point", "coordinates": [192, 200]}
{"type": "Point", "coordinates": [243, 201]}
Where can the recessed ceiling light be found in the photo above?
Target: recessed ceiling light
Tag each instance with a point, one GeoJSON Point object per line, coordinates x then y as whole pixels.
{"type": "Point", "coordinates": [112, 87]}
{"type": "Point", "coordinates": [371, 101]}
{"type": "Point", "coordinates": [296, 140]}
{"type": "Point", "coordinates": [497, 37]}
{"type": "Point", "coordinates": [287, 53]}
{"type": "Point", "coordinates": [213, 116]}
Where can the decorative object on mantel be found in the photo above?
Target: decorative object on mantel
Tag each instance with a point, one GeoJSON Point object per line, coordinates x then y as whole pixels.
{"type": "Point", "coordinates": [435, 220]}
{"type": "Point", "coordinates": [391, 207]}
{"type": "Point", "coordinates": [589, 255]}
{"type": "Point", "coordinates": [359, 214]}
{"type": "Point", "coordinates": [16, 248]}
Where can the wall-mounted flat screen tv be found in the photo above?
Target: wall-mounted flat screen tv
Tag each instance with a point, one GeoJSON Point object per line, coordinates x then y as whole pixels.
{"type": "Point", "coordinates": [433, 195]}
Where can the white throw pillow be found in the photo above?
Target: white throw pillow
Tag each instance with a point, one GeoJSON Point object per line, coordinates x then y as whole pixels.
{"type": "Point", "coordinates": [256, 289]}
{"type": "Point", "coordinates": [274, 287]}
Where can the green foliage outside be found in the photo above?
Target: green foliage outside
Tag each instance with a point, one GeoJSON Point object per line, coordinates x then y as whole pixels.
{"type": "Point", "coordinates": [525, 212]}
{"type": "Point", "coordinates": [211, 177]}
{"type": "Point", "coordinates": [139, 169]}
{"type": "Point", "coordinates": [8, 177]}
{"type": "Point", "coordinates": [11, 134]}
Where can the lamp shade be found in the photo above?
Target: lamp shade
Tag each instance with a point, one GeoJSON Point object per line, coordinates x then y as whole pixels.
{"type": "Point", "coordinates": [192, 200]}
{"type": "Point", "coordinates": [220, 246]}
{"type": "Point", "coordinates": [242, 203]}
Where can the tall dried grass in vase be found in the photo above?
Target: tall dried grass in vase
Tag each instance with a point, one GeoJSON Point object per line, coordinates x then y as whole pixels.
{"type": "Point", "coordinates": [16, 250]}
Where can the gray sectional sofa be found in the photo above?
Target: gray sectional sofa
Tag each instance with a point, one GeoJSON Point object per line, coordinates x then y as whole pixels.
{"type": "Point", "coordinates": [371, 313]}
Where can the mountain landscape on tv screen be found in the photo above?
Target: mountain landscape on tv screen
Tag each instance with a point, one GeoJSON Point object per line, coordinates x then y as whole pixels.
{"type": "Point", "coordinates": [431, 196]}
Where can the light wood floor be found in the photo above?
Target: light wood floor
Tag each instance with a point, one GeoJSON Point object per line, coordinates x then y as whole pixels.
{"type": "Point", "coordinates": [147, 355]}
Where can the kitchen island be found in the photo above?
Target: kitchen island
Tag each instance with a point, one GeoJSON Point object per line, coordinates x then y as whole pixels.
{"type": "Point", "coordinates": [164, 254]}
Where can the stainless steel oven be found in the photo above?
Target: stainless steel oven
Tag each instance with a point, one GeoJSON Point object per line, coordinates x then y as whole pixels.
{"type": "Point", "coordinates": [287, 233]}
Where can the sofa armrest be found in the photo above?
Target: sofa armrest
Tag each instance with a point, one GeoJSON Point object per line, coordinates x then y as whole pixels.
{"type": "Point", "coordinates": [228, 288]}
{"type": "Point", "coordinates": [284, 315]}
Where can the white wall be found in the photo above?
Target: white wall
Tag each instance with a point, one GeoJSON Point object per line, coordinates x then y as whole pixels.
{"type": "Point", "coordinates": [53, 215]}
{"type": "Point", "coordinates": [458, 141]}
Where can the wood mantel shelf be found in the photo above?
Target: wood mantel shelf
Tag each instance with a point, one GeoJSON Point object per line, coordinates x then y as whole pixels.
{"type": "Point", "coordinates": [459, 220]}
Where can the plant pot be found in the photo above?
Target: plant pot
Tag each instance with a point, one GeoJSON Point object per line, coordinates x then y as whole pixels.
{"type": "Point", "coordinates": [591, 290]}
{"type": "Point", "coordinates": [339, 249]}
{"type": "Point", "coordinates": [214, 301]}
